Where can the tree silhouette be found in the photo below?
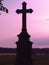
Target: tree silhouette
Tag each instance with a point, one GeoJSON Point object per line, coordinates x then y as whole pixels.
{"type": "Point", "coordinates": [2, 8]}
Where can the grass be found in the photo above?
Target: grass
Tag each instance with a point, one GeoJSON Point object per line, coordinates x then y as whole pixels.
{"type": "Point", "coordinates": [41, 59]}
{"type": "Point", "coordinates": [9, 59]}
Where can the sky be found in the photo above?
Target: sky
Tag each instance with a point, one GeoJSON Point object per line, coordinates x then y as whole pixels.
{"type": "Point", "coordinates": [37, 23]}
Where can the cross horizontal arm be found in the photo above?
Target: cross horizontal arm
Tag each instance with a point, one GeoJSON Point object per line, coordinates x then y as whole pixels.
{"type": "Point", "coordinates": [29, 10]}
{"type": "Point", "coordinates": [18, 11]}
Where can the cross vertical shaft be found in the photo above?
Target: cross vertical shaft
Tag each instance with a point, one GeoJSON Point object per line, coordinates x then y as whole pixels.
{"type": "Point", "coordinates": [24, 29]}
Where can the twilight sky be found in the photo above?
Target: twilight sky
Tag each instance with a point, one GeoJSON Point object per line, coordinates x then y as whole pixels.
{"type": "Point", "coordinates": [37, 23]}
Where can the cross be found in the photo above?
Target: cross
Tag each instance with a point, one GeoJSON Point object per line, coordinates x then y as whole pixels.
{"type": "Point", "coordinates": [24, 11]}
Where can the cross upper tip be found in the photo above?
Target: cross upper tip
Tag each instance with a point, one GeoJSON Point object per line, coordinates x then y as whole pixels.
{"type": "Point", "coordinates": [24, 3]}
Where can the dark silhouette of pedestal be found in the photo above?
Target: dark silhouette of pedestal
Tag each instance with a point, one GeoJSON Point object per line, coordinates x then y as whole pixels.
{"type": "Point", "coordinates": [24, 46]}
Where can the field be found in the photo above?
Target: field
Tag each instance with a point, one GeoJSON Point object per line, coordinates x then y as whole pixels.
{"type": "Point", "coordinates": [9, 59]}
{"type": "Point", "coordinates": [41, 59]}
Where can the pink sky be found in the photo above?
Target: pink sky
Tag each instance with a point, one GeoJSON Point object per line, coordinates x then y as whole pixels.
{"type": "Point", "coordinates": [37, 23]}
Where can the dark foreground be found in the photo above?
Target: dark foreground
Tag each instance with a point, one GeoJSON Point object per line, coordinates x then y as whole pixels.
{"type": "Point", "coordinates": [9, 59]}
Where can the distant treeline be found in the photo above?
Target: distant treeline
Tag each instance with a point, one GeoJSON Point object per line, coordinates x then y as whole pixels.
{"type": "Point", "coordinates": [40, 51]}
{"type": "Point", "coordinates": [34, 50]}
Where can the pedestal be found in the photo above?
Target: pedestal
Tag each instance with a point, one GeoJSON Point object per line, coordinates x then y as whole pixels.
{"type": "Point", "coordinates": [24, 50]}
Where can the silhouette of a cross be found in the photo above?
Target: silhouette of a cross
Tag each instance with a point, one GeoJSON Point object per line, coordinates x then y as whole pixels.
{"type": "Point", "coordinates": [24, 11]}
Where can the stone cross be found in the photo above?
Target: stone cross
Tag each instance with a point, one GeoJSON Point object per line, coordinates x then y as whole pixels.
{"type": "Point", "coordinates": [24, 11]}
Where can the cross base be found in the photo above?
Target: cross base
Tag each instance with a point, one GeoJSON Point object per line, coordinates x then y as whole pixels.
{"type": "Point", "coordinates": [24, 50]}
{"type": "Point", "coordinates": [23, 62]}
